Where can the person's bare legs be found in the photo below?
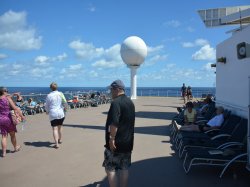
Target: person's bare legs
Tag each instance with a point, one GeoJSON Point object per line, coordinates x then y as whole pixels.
{"type": "Point", "coordinates": [59, 134]}
{"type": "Point", "coordinates": [190, 128]}
{"type": "Point", "coordinates": [14, 142]}
{"type": "Point", "coordinates": [112, 178]}
{"type": "Point", "coordinates": [123, 177]}
{"type": "Point", "coordinates": [55, 135]}
{"type": "Point", "coordinates": [4, 144]}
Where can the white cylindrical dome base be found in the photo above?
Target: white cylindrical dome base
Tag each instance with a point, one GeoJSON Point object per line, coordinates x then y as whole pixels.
{"type": "Point", "coordinates": [133, 83]}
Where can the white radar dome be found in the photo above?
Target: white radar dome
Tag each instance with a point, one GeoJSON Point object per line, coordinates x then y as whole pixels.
{"type": "Point", "coordinates": [133, 51]}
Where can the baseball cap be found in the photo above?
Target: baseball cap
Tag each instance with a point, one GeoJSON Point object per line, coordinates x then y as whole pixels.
{"type": "Point", "coordinates": [117, 84]}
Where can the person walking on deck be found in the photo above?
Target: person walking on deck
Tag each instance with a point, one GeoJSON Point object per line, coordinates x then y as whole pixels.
{"type": "Point", "coordinates": [56, 106]}
{"type": "Point", "coordinates": [7, 125]}
{"type": "Point", "coordinates": [184, 92]}
{"type": "Point", "coordinates": [119, 136]}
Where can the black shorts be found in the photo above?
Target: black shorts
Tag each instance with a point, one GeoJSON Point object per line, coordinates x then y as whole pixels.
{"type": "Point", "coordinates": [116, 161]}
{"type": "Point", "coordinates": [56, 122]}
{"type": "Point", "coordinates": [201, 127]}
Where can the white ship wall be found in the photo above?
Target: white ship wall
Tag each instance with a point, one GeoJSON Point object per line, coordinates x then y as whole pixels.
{"type": "Point", "coordinates": [232, 82]}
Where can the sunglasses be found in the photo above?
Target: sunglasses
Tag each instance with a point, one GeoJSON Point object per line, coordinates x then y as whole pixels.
{"type": "Point", "coordinates": [6, 91]}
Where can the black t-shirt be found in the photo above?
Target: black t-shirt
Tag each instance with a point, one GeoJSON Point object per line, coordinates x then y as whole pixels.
{"type": "Point", "coordinates": [122, 115]}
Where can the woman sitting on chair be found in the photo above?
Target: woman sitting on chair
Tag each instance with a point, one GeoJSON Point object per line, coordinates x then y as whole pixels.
{"type": "Point", "coordinates": [190, 114]}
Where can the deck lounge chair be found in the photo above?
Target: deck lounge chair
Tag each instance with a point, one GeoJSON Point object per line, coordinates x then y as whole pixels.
{"type": "Point", "coordinates": [211, 112]}
{"type": "Point", "coordinates": [225, 127]}
{"type": "Point", "coordinates": [237, 135]}
{"type": "Point", "coordinates": [223, 156]}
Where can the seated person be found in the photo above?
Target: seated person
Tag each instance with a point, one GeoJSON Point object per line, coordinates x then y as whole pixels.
{"type": "Point", "coordinates": [75, 99]}
{"type": "Point", "coordinates": [203, 109]}
{"type": "Point", "coordinates": [19, 99]}
{"type": "Point", "coordinates": [213, 123]}
{"type": "Point", "coordinates": [189, 114]}
{"type": "Point", "coordinates": [31, 103]}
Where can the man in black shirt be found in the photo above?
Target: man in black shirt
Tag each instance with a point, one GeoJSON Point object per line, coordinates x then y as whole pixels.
{"type": "Point", "coordinates": [119, 135]}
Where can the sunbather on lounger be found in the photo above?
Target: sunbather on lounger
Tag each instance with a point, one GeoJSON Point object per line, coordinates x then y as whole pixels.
{"type": "Point", "coordinates": [213, 123]}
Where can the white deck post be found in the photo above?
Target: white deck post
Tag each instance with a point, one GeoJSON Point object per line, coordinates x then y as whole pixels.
{"type": "Point", "coordinates": [133, 85]}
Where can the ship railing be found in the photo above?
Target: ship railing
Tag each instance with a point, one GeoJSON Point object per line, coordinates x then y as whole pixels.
{"type": "Point", "coordinates": [152, 93]}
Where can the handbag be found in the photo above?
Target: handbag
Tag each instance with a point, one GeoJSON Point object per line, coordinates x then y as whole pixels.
{"type": "Point", "coordinates": [16, 118]}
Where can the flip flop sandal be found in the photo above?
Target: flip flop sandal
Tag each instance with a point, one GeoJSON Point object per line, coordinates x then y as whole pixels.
{"type": "Point", "coordinates": [18, 148]}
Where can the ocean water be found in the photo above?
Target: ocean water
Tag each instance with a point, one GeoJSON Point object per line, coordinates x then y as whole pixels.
{"type": "Point", "coordinates": [41, 92]}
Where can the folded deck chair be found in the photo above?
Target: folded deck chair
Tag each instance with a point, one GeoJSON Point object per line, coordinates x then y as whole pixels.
{"type": "Point", "coordinates": [237, 135]}
{"type": "Point", "coordinates": [223, 156]}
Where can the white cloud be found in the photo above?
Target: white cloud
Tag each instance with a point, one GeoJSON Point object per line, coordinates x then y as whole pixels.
{"type": "Point", "coordinates": [60, 57]}
{"type": "Point", "coordinates": [156, 58]}
{"type": "Point", "coordinates": [172, 39]}
{"type": "Point", "coordinates": [92, 8]}
{"type": "Point", "coordinates": [197, 42]}
{"type": "Point", "coordinates": [15, 34]}
{"type": "Point", "coordinates": [41, 72]}
{"type": "Point", "coordinates": [187, 44]}
{"type": "Point", "coordinates": [17, 66]}
{"type": "Point", "coordinates": [3, 56]}
{"type": "Point", "coordinates": [207, 67]}
{"type": "Point", "coordinates": [156, 49]}
{"type": "Point", "coordinates": [172, 23]}
{"type": "Point", "coordinates": [93, 74]}
{"type": "Point", "coordinates": [75, 67]}
{"type": "Point", "coordinates": [2, 66]}
{"type": "Point", "coordinates": [190, 29]}
{"type": "Point", "coordinates": [73, 71]}
{"type": "Point", "coordinates": [107, 64]}
{"type": "Point", "coordinates": [110, 57]}
{"type": "Point", "coordinates": [175, 73]}
{"type": "Point", "coordinates": [155, 54]}
{"type": "Point", "coordinates": [103, 58]}
{"type": "Point", "coordinates": [44, 60]}
{"type": "Point", "coordinates": [205, 53]}
{"type": "Point", "coordinates": [168, 68]}
{"type": "Point", "coordinates": [86, 51]}
{"type": "Point", "coordinates": [13, 72]}
{"type": "Point", "coordinates": [201, 42]}
{"type": "Point", "coordinates": [15, 69]}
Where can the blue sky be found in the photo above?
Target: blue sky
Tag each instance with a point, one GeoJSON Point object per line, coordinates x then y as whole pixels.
{"type": "Point", "coordinates": [77, 42]}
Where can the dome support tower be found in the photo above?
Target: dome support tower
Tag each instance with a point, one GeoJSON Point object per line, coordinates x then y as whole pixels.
{"type": "Point", "coordinates": [133, 81]}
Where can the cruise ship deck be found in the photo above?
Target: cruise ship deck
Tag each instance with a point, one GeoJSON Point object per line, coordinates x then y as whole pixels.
{"type": "Point", "coordinates": [78, 161]}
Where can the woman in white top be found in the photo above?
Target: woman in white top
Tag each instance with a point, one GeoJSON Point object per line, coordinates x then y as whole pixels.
{"type": "Point", "coordinates": [55, 106]}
